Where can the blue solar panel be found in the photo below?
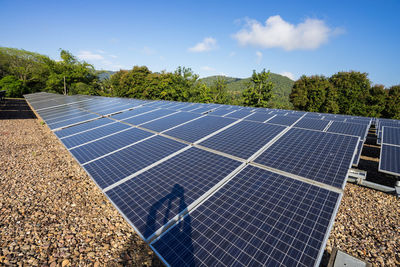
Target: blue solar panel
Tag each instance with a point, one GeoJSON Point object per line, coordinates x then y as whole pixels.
{"type": "Point", "coordinates": [259, 116]}
{"type": "Point", "coordinates": [355, 129]}
{"type": "Point", "coordinates": [244, 138]}
{"type": "Point", "coordinates": [82, 127]}
{"type": "Point", "coordinates": [239, 114]}
{"type": "Point", "coordinates": [358, 155]}
{"type": "Point", "coordinates": [131, 113]}
{"type": "Point", "coordinates": [199, 128]}
{"type": "Point", "coordinates": [190, 107]}
{"type": "Point", "coordinates": [202, 110]}
{"type": "Point", "coordinates": [137, 120]}
{"type": "Point", "coordinates": [312, 124]}
{"type": "Point", "coordinates": [108, 144]}
{"type": "Point", "coordinates": [114, 167]}
{"type": "Point", "coordinates": [320, 156]}
{"type": "Point", "coordinates": [221, 112]}
{"type": "Point", "coordinates": [170, 121]}
{"type": "Point", "coordinates": [391, 136]}
{"type": "Point", "coordinates": [283, 120]}
{"type": "Point", "coordinates": [114, 109]}
{"type": "Point", "coordinates": [93, 134]}
{"type": "Point", "coordinates": [152, 198]}
{"type": "Point", "coordinates": [389, 161]}
{"type": "Point", "coordinates": [259, 218]}
{"type": "Point", "coordinates": [72, 121]}
{"type": "Point", "coordinates": [64, 115]}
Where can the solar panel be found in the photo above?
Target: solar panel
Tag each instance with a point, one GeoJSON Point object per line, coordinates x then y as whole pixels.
{"type": "Point", "coordinates": [82, 127]}
{"type": "Point", "coordinates": [358, 154]}
{"type": "Point", "coordinates": [312, 124]}
{"type": "Point", "coordinates": [137, 120]}
{"type": "Point", "coordinates": [239, 114]}
{"type": "Point", "coordinates": [355, 129]}
{"type": "Point", "coordinates": [243, 139]}
{"type": "Point", "coordinates": [199, 128]}
{"type": "Point", "coordinates": [259, 116]}
{"type": "Point", "coordinates": [391, 135]}
{"type": "Point", "coordinates": [389, 159]}
{"type": "Point", "coordinates": [93, 134]}
{"type": "Point", "coordinates": [283, 120]}
{"type": "Point", "coordinates": [114, 167]}
{"type": "Point", "coordinates": [259, 218]}
{"type": "Point", "coordinates": [108, 144]}
{"type": "Point", "coordinates": [170, 121]}
{"type": "Point", "coordinates": [221, 112]}
{"type": "Point", "coordinates": [154, 197]}
{"type": "Point", "coordinates": [201, 110]}
{"type": "Point", "coordinates": [72, 121]}
{"type": "Point", "coordinates": [131, 113]}
{"type": "Point", "coordinates": [320, 156]}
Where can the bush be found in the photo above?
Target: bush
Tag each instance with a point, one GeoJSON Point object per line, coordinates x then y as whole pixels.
{"type": "Point", "coordinates": [13, 86]}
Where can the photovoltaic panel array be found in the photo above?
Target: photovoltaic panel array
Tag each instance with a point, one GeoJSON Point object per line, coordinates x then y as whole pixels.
{"type": "Point", "coordinates": [205, 183]}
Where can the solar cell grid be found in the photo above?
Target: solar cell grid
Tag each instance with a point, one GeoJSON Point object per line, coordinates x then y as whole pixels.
{"type": "Point", "coordinates": [259, 116]}
{"type": "Point", "coordinates": [152, 198]}
{"type": "Point", "coordinates": [257, 218]}
{"type": "Point", "coordinates": [72, 121]}
{"type": "Point", "coordinates": [391, 136]}
{"type": "Point", "coordinates": [108, 144]}
{"type": "Point", "coordinates": [137, 120]}
{"type": "Point", "coordinates": [389, 159]}
{"type": "Point", "coordinates": [221, 112]}
{"type": "Point", "coordinates": [239, 114]}
{"type": "Point", "coordinates": [243, 139]}
{"type": "Point", "coordinates": [320, 156]}
{"type": "Point", "coordinates": [170, 121]}
{"type": "Point", "coordinates": [82, 127]}
{"type": "Point", "coordinates": [283, 120]}
{"type": "Point", "coordinates": [93, 134]}
{"type": "Point", "coordinates": [312, 124]}
{"type": "Point", "coordinates": [354, 129]}
{"type": "Point", "coordinates": [133, 112]}
{"type": "Point", "coordinates": [114, 167]}
{"type": "Point", "coordinates": [197, 129]}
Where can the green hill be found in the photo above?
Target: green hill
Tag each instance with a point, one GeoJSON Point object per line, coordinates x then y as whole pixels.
{"type": "Point", "coordinates": [282, 88]}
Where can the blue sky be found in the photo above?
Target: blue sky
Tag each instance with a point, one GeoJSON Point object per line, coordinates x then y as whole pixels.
{"type": "Point", "coordinates": [232, 38]}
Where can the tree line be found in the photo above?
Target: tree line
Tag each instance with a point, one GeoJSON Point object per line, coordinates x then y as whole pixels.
{"type": "Point", "coordinates": [346, 93]}
{"type": "Point", "coordinates": [23, 72]}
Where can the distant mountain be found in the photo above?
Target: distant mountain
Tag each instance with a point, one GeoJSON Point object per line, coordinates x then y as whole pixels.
{"type": "Point", "coordinates": [282, 88]}
{"type": "Point", "coordinates": [105, 74]}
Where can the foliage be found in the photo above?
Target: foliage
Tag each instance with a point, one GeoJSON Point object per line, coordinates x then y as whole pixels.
{"type": "Point", "coordinates": [392, 109]}
{"type": "Point", "coordinates": [13, 86]}
{"type": "Point", "coordinates": [259, 90]}
{"type": "Point", "coordinates": [376, 100]}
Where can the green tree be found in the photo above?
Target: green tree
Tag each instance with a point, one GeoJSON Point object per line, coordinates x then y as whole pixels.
{"type": "Point", "coordinates": [219, 91]}
{"type": "Point", "coordinates": [353, 89]}
{"type": "Point", "coordinates": [13, 86]}
{"type": "Point", "coordinates": [259, 90]}
{"type": "Point", "coordinates": [392, 109]}
{"type": "Point", "coordinates": [376, 100]}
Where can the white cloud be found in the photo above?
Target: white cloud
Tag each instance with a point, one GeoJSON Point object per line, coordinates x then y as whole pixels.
{"type": "Point", "coordinates": [276, 32]}
{"type": "Point", "coordinates": [232, 54]}
{"type": "Point", "coordinates": [207, 44]}
{"type": "Point", "coordinates": [288, 74]}
{"type": "Point", "coordinates": [88, 55]}
{"type": "Point", "coordinates": [259, 56]}
{"type": "Point", "coordinates": [113, 56]}
{"type": "Point", "coordinates": [207, 68]}
{"type": "Point", "coordinates": [148, 51]}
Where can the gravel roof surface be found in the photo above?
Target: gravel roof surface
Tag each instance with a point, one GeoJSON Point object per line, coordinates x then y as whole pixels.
{"type": "Point", "coordinates": [51, 213]}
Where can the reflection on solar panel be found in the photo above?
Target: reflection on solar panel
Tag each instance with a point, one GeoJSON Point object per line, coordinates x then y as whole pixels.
{"type": "Point", "coordinates": [152, 198]}
{"type": "Point", "coordinates": [211, 202]}
{"type": "Point", "coordinates": [108, 144]}
{"type": "Point", "coordinates": [243, 139]}
{"type": "Point", "coordinates": [359, 130]}
{"type": "Point", "coordinates": [391, 136]}
{"type": "Point", "coordinates": [389, 159]}
{"type": "Point", "coordinates": [199, 128]}
{"type": "Point", "coordinates": [114, 167]}
{"type": "Point", "coordinates": [322, 157]}
{"type": "Point", "coordinates": [259, 218]}
{"type": "Point", "coordinates": [283, 120]}
{"type": "Point", "coordinates": [312, 124]}
{"type": "Point", "coordinates": [93, 134]}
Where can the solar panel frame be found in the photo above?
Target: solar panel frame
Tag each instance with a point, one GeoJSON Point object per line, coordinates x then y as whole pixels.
{"type": "Point", "coordinates": [82, 127]}
{"type": "Point", "coordinates": [260, 117]}
{"type": "Point", "coordinates": [312, 124]}
{"type": "Point", "coordinates": [389, 159]}
{"type": "Point", "coordinates": [283, 120]}
{"type": "Point", "coordinates": [73, 121]}
{"type": "Point", "coordinates": [163, 124]}
{"type": "Point", "coordinates": [391, 135]}
{"type": "Point", "coordinates": [354, 129]}
{"type": "Point", "coordinates": [149, 116]}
